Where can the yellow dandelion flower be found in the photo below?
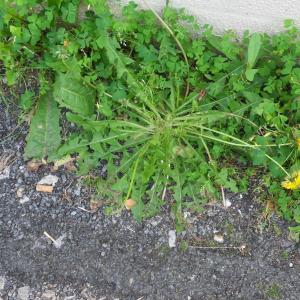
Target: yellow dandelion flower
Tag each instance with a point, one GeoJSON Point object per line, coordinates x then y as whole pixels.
{"type": "Point", "coordinates": [293, 183]}
{"type": "Point", "coordinates": [298, 143]}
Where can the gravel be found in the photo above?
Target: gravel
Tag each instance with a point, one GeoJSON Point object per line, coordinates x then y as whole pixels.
{"type": "Point", "coordinates": [114, 257]}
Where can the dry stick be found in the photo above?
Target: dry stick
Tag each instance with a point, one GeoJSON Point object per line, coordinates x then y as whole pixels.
{"type": "Point", "coordinates": [223, 197]}
{"type": "Point", "coordinates": [165, 188]}
{"type": "Point", "coordinates": [83, 209]}
{"type": "Point", "coordinates": [210, 160]}
{"type": "Point", "coordinates": [240, 248]}
{"type": "Point", "coordinates": [50, 237]}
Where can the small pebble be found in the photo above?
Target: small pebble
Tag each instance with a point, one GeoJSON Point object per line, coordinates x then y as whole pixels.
{"type": "Point", "coordinates": [48, 295]}
{"type": "Point", "coordinates": [23, 293]}
{"type": "Point", "coordinates": [24, 199]}
{"type": "Point", "coordinates": [2, 282]}
{"type": "Point", "coordinates": [219, 238]}
{"type": "Point", "coordinates": [49, 180]}
{"type": "Point", "coordinates": [172, 239]}
{"type": "Point", "coordinates": [5, 173]}
{"type": "Point", "coordinates": [20, 192]}
{"type": "Point", "coordinates": [227, 203]}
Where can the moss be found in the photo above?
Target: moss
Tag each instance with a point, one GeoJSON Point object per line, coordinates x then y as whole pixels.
{"type": "Point", "coordinates": [273, 291]}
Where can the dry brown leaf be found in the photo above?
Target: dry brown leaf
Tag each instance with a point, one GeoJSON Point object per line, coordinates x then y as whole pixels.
{"type": "Point", "coordinates": [95, 205]}
{"type": "Point", "coordinates": [67, 162]}
{"type": "Point", "coordinates": [269, 209]}
{"type": "Point", "coordinates": [34, 165]}
{"type": "Point", "coordinates": [44, 188]}
{"type": "Point", "coordinates": [70, 166]}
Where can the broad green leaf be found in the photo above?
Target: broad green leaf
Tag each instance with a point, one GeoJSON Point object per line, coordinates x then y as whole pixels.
{"type": "Point", "coordinates": [253, 50]}
{"type": "Point", "coordinates": [258, 157]}
{"type": "Point", "coordinates": [54, 3]}
{"type": "Point", "coordinates": [216, 42]}
{"type": "Point", "coordinates": [72, 94]}
{"type": "Point", "coordinates": [250, 73]}
{"type": "Point", "coordinates": [216, 88]}
{"type": "Point", "coordinates": [44, 134]}
{"type": "Point", "coordinates": [252, 97]}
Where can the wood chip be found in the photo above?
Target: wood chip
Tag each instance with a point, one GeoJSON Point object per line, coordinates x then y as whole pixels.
{"type": "Point", "coordinates": [44, 188]}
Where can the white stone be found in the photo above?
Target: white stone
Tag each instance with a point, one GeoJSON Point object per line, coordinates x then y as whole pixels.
{"type": "Point", "coordinates": [23, 293]}
{"type": "Point", "coordinates": [49, 180]}
{"type": "Point", "coordinates": [24, 199]}
{"type": "Point", "coordinates": [172, 239]}
{"type": "Point", "coordinates": [48, 295]}
{"type": "Point", "coordinates": [20, 192]}
{"type": "Point", "coordinates": [227, 203]}
{"type": "Point", "coordinates": [2, 282]}
{"type": "Point", "coordinates": [219, 238]}
{"type": "Point", "coordinates": [59, 241]}
{"type": "Point", "coordinates": [4, 174]}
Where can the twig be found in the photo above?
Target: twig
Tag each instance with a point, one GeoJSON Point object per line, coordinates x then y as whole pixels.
{"type": "Point", "coordinates": [240, 248]}
{"type": "Point", "coordinates": [50, 237]}
{"type": "Point", "coordinates": [223, 197]}
{"type": "Point", "coordinates": [165, 188]}
{"type": "Point", "coordinates": [84, 209]}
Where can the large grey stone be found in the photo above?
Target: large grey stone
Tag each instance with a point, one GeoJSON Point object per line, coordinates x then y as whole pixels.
{"type": "Point", "coordinates": [23, 293]}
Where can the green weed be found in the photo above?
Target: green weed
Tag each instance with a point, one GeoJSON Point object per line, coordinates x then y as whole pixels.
{"type": "Point", "coordinates": [172, 115]}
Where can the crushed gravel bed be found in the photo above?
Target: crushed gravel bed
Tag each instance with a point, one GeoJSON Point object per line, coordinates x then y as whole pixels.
{"type": "Point", "coordinates": [232, 253]}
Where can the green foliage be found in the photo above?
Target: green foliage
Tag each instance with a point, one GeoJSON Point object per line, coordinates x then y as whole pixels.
{"type": "Point", "coordinates": [44, 134]}
{"type": "Point", "coordinates": [26, 100]}
{"type": "Point", "coordinates": [70, 93]}
{"type": "Point", "coordinates": [173, 116]}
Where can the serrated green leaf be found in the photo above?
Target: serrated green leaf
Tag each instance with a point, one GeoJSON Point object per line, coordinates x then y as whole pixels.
{"type": "Point", "coordinates": [69, 92]}
{"type": "Point", "coordinates": [44, 134]}
{"type": "Point", "coordinates": [121, 185]}
{"type": "Point", "coordinates": [26, 100]}
{"type": "Point", "coordinates": [70, 13]}
{"type": "Point", "coordinates": [74, 144]}
{"type": "Point", "coordinates": [138, 209]}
